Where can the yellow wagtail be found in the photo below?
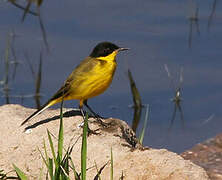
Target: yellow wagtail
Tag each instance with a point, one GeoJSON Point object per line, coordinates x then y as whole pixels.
{"type": "Point", "coordinates": [90, 78]}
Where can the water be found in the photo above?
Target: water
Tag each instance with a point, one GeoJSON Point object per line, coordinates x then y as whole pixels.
{"type": "Point", "coordinates": [157, 32]}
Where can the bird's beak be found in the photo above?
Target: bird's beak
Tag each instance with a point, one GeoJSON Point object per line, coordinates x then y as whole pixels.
{"type": "Point", "coordinates": [122, 49]}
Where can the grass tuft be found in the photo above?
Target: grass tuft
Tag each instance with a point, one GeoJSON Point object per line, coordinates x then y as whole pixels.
{"type": "Point", "coordinates": [84, 148]}
{"type": "Point", "coordinates": [141, 137]}
{"type": "Point", "coordinates": [111, 162]}
{"type": "Point", "coordinates": [57, 166]}
{"type": "Point", "coordinates": [19, 173]}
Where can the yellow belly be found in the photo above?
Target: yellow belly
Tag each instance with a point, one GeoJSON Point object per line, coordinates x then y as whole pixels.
{"type": "Point", "coordinates": [95, 82]}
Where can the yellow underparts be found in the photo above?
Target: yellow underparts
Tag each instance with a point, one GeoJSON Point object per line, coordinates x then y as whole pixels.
{"type": "Point", "coordinates": [100, 78]}
{"type": "Point", "coordinates": [110, 57]}
{"type": "Point", "coordinates": [94, 82]}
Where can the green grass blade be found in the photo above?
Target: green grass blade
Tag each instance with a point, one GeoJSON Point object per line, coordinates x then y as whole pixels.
{"type": "Point", "coordinates": [50, 169]}
{"type": "Point", "coordinates": [141, 137]}
{"type": "Point", "coordinates": [76, 175]}
{"type": "Point", "coordinates": [111, 167]}
{"type": "Point", "coordinates": [84, 148]}
{"type": "Point", "coordinates": [64, 165]}
{"type": "Point", "coordinates": [20, 174]}
{"type": "Point", "coordinates": [45, 150]}
{"type": "Point", "coordinates": [67, 159]}
{"type": "Point", "coordinates": [52, 148]}
{"type": "Point", "coordinates": [45, 160]}
{"type": "Point", "coordinates": [48, 162]}
{"type": "Point", "coordinates": [61, 138]}
{"type": "Point", "coordinates": [58, 171]}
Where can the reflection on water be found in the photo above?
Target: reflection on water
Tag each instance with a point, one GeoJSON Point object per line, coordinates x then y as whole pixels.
{"type": "Point", "coordinates": [10, 61]}
{"type": "Point", "coordinates": [37, 78]}
{"type": "Point", "coordinates": [137, 102]}
{"type": "Point", "coordinates": [155, 31]}
{"type": "Point", "coordinates": [25, 7]}
{"type": "Point", "coordinates": [5, 81]}
{"type": "Point", "coordinates": [177, 98]}
{"type": "Point", "coordinates": [212, 14]}
{"type": "Point", "coordinates": [194, 21]}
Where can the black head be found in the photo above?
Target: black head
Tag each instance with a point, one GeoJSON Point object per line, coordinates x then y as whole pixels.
{"type": "Point", "coordinates": [103, 49]}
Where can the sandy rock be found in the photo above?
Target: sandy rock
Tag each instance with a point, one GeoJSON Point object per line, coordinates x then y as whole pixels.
{"type": "Point", "coordinates": [208, 155]}
{"type": "Point", "coordinates": [136, 163]}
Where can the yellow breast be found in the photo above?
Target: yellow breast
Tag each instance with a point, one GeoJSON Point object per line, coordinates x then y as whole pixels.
{"type": "Point", "coordinates": [93, 77]}
{"type": "Point", "coordinates": [100, 80]}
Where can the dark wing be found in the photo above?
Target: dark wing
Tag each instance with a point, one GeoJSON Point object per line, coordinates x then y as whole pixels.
{"type": "Point", "coordinates": [77, 76]}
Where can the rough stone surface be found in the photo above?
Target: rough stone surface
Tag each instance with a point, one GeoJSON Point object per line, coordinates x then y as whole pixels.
{"type": "Point", "coordinates": [21, 148]}
{"type": "Point", "coordinates": [208, 155]}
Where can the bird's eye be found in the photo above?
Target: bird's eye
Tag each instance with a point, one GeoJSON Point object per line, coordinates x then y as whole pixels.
{"type": "Point", "coordinates": [106, 50]}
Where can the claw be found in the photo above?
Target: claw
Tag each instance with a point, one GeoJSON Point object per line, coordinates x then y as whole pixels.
{"type": "Point", "coordinates": [90, 131]}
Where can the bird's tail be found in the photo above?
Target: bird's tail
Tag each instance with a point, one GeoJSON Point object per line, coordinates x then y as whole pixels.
{"type": "Point", "coordinates": [44, 107]}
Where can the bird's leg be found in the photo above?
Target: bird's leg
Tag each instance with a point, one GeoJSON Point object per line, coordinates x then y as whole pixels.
{"type": "Point", "coordinates": [181, 115]}
{"type": "Point", "coordinates": [173, 117]}
{"type": "Point", "coordinates": [98, 117]}
{"type": "Point", "coordinates": [88, 129]}
{"type": "Point", "coordinates": [90, 109]}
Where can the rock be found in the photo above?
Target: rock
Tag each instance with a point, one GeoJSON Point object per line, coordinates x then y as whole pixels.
{"type": "Point", "coordinates": [208, 155]}
{"type": "Point", "coordinates": [136, 163]}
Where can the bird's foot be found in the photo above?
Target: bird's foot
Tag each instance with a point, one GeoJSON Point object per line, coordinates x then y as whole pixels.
{"type": "Point", "coordinates": [90, 131]}
{"type": "Point", "coordinates": [103, 124]}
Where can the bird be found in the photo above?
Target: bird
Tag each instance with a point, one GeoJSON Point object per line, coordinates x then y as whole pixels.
{"type": "Point", "coordinates": [90, 78]}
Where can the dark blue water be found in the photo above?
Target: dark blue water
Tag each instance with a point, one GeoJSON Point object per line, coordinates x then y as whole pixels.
{"type": "Point", "coordinates": [157, 32]}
